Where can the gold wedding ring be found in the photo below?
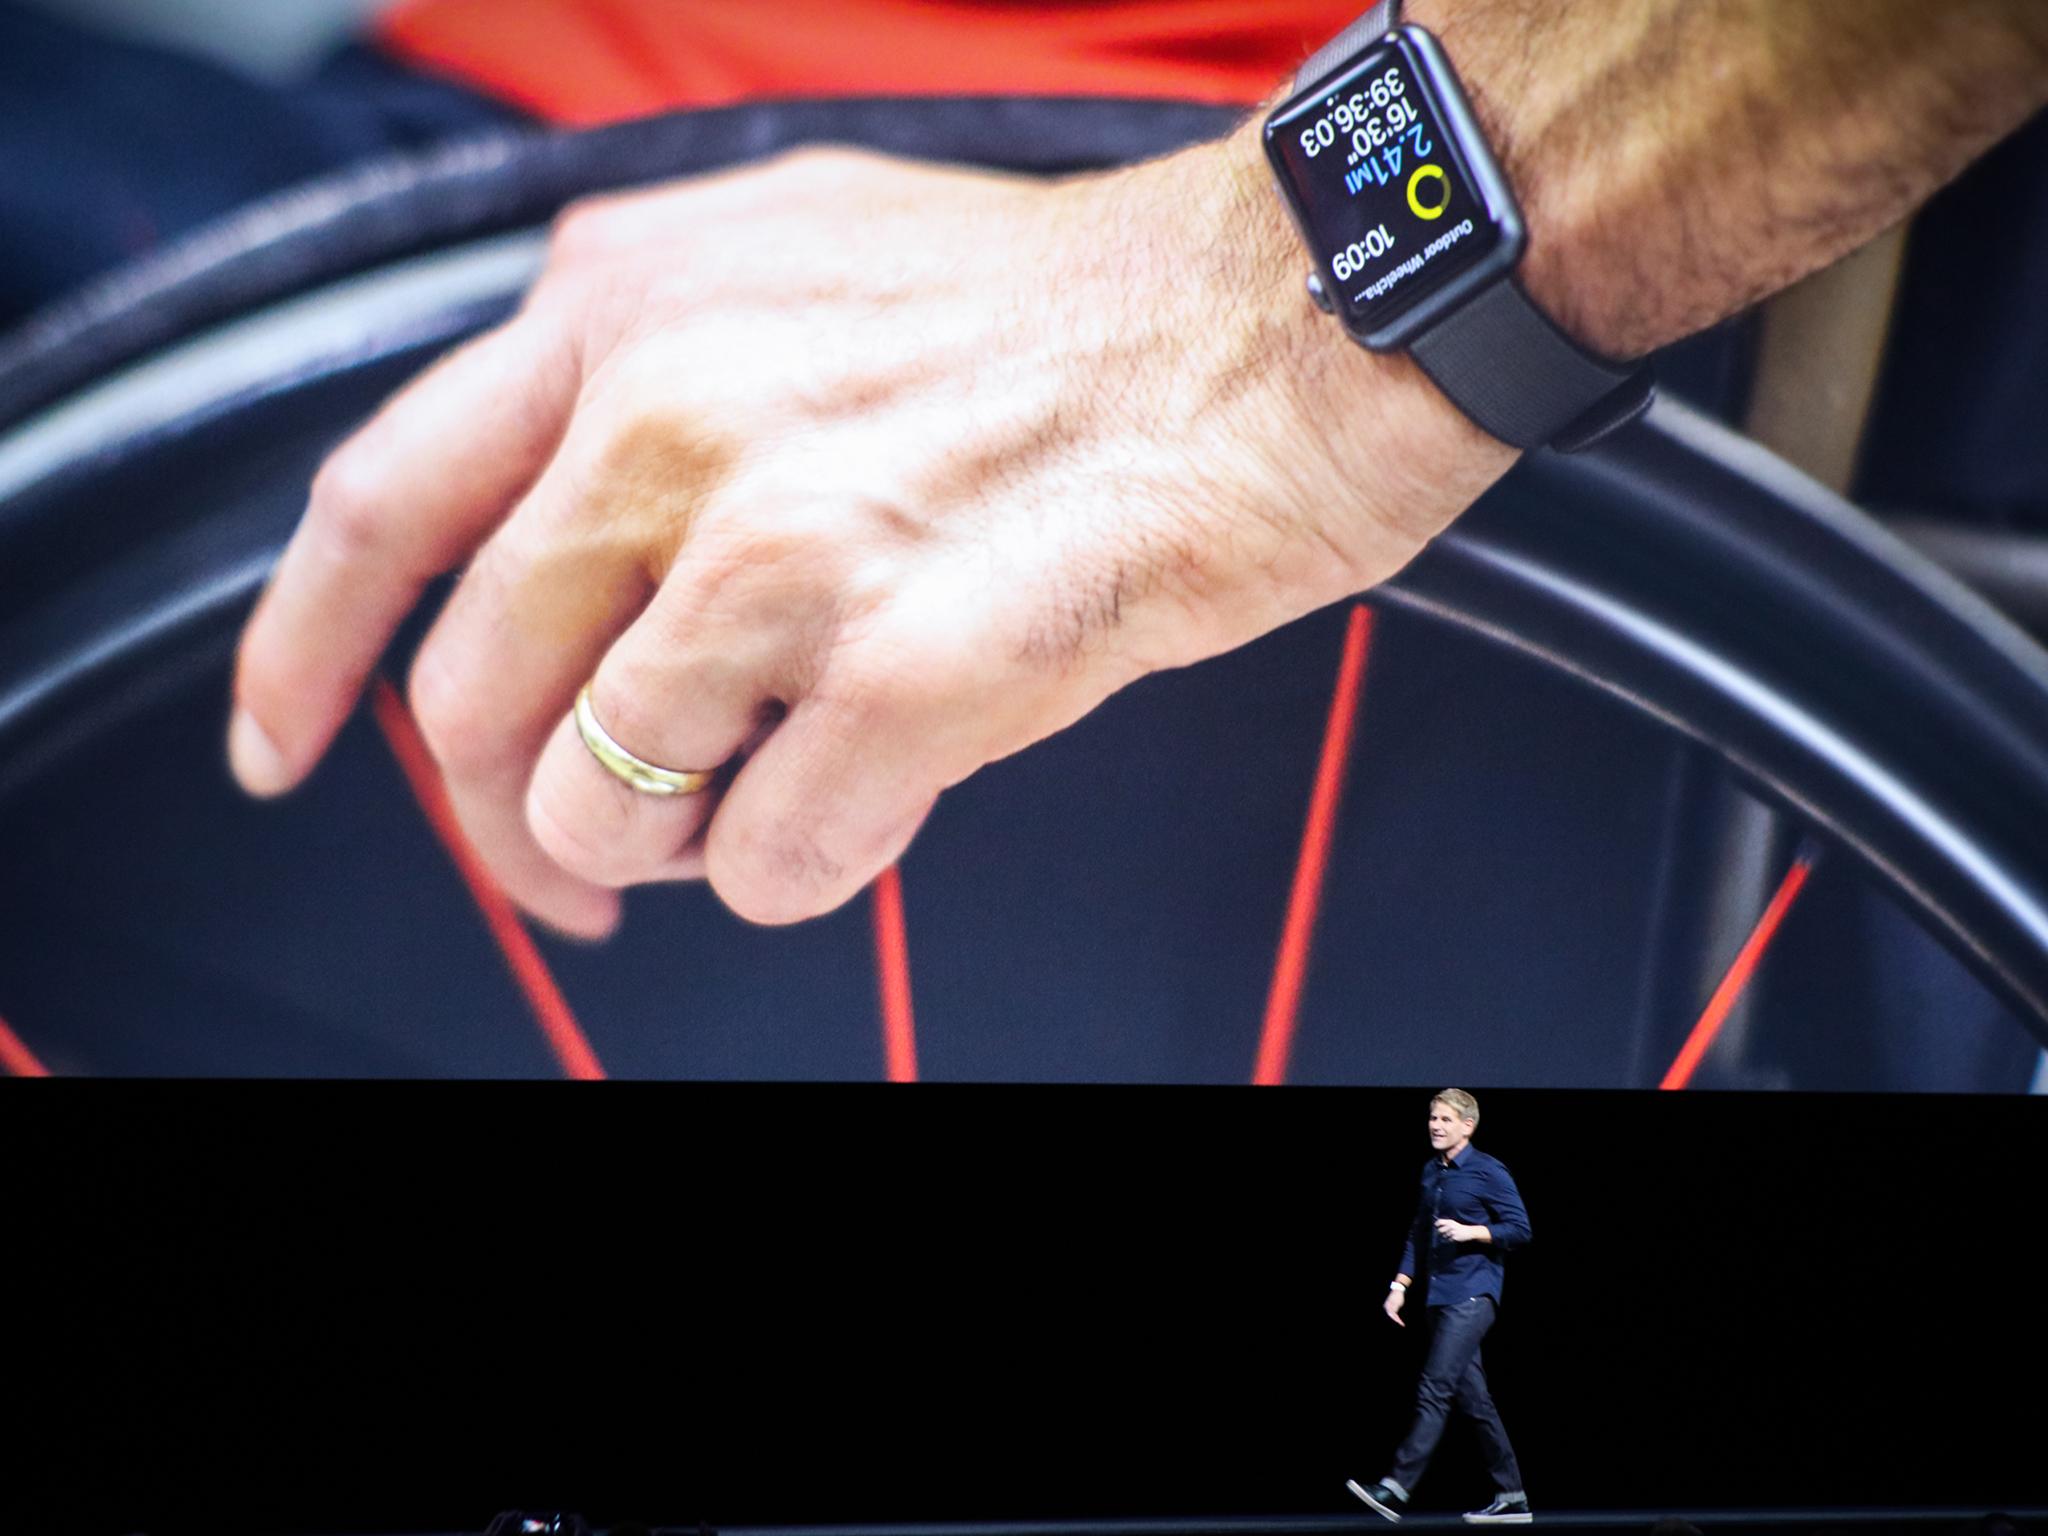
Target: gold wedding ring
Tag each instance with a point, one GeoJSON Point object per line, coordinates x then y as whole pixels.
{"type": "Point", "coordinates": [623, 765]}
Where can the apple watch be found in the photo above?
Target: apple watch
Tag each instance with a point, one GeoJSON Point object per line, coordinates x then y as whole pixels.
{"type": "Point", "coordinates": [1415, 236]}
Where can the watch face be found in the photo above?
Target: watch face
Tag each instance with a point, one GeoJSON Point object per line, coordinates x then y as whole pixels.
{"type": "Point", "coordinates": [1395, 190]}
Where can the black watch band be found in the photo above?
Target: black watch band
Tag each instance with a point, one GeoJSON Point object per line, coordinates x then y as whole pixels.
{"type": "Point", "coordinates": [1503, 363]}
{"type": "Point", "coordinates": [1497, 357]}
{"type": "Point", "coordinates": [1362, 33]}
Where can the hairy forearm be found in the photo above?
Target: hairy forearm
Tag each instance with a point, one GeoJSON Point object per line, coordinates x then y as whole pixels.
{"type": "Point", "coordinates": [1677, 160]}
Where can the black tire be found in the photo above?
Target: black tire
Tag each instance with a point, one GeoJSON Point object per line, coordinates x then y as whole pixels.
{"type": "Point", "coordinates": [1762, 632]}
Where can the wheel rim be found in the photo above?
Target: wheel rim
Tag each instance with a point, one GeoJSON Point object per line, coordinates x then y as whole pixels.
{"type": "Point", "coordinates": [1684, 571]}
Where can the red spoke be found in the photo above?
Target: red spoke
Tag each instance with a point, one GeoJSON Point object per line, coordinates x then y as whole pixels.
{"type": "Point", "coordinates": [564, 1036]}
{"type": "Point", "coordinates": [1283, 998]}
{"type": "Point", "coordinates": [892, 965]}
{"type": "Point", "coordinates": [1729, 992]}
{"type": "Point", "coordinates": [16, 1057]}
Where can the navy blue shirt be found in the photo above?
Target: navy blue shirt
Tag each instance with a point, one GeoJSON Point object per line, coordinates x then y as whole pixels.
{"type": "Point", "coordinates": [1478, 1190]}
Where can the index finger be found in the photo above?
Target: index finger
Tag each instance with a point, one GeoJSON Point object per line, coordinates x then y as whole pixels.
{"type": "Point", "coordinates": [406, 499]}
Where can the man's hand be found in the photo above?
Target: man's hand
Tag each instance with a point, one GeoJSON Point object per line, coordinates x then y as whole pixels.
{"type": "Point", "coordinates": [1460, 1232]}
{"type": "Point", "coordinates": [1392, 1306]}
{"type": "Point", "coordinates": [855, 475]}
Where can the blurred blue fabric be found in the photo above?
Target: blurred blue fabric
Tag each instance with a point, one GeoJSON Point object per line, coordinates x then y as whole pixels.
{"type": "Point", "coordinates": [1958, 425]}
{"type": "Point", "coordinates": [108, 149]}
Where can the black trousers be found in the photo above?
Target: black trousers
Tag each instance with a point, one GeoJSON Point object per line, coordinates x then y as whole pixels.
{"type": "Point", "coordinates": [1453, 1375]}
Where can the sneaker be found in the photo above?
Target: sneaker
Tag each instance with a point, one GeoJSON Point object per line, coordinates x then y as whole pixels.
{"type": "Point", "coordinates": [1383, 1499]}
{"type": "Point", "coordinates": [1506, 1509]}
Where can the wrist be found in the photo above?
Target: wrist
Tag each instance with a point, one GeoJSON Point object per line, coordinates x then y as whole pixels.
{"type": "Point", "coordinates": [1573, 185]}
{"type": "Point", "coordinates": [1364, 437]}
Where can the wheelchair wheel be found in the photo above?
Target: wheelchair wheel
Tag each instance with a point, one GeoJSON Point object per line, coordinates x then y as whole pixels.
{"type": "Point", "coordinates": [1663, 758]}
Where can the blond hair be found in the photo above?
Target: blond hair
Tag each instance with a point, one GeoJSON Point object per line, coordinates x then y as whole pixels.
{"type": "Point", "coordinates": [1459, 1103]}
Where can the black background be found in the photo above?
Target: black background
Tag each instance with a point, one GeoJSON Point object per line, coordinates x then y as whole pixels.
{"type": "Point", "coordinates": [338, 1307]}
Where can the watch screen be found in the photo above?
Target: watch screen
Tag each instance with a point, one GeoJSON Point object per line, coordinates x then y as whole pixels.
{"type": "Point", "coordinates": [1382, 187]}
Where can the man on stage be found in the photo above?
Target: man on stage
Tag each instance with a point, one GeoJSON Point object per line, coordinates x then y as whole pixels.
{"type": "Point", "coordinates": [1470, 1214]}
